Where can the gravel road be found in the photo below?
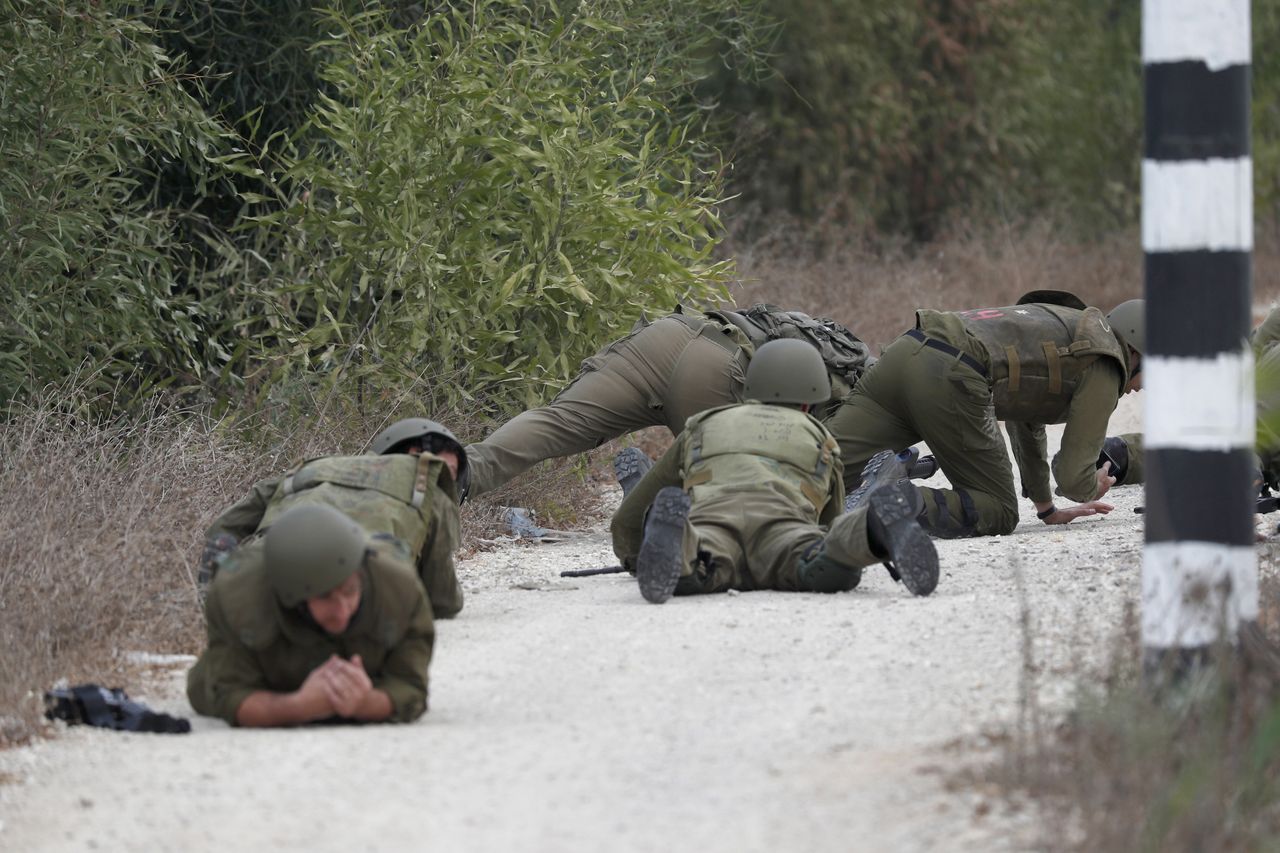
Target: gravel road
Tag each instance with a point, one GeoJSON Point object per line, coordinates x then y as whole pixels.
{"type": "Point", "coordinates": [569, 715]}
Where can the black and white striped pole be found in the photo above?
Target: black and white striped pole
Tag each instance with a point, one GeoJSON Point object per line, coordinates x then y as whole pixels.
{"type": "Point", "coordinates": [1199, 572]}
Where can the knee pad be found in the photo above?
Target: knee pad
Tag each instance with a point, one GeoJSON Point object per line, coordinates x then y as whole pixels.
{"type": "Point", "coordinates": [944, 524]}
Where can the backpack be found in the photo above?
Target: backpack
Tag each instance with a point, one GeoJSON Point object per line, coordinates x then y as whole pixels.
{"type": "Point", "coordinates": [846, 357]}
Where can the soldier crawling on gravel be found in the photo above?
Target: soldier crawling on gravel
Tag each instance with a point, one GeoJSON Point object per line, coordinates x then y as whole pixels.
{"type": "Point", "coordinates": [1047, 359]}
{"type": "Point", "coordinates": [662, 373]}
{"type": "Point", "coordinates": [405, 495]}
{"type": "Point", "coordinates": [749, 497]}
{"type": "Point", "coordinates": [313, 621]}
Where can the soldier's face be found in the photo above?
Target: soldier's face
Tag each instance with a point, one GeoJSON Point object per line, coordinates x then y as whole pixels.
{"type": "Point", "coordinates": [450, 458]}
{"type": "Point", "coordinates": [333, 610]}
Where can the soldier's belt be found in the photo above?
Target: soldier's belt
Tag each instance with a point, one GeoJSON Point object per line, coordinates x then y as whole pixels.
{"type": "Point", "coordinates": [941, 346]}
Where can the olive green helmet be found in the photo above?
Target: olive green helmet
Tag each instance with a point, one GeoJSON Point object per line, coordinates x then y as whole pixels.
{"type": "Point", "coordinates": [1129, 321]}
{"type": "Point", "coordinates": [311, 549]}
{"type": "Point", "coordinates": [787, 371]}
{"type": "Point", "coordinates": [436, 437]}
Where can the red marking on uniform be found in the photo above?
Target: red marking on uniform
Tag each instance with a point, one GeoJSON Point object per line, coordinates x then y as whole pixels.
{"type": "Point", "coordinates": [982, 314]}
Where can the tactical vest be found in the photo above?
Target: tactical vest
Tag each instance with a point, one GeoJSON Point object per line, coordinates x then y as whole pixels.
{"type": "Point", "coordinates": [383, 494]}
{"type": "Point", "coordinates": [751, 444]}
{"type": "Point", "coordinates": [1038, 352]}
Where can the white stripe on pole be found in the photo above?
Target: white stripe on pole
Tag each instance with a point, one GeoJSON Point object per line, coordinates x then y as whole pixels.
{"type": "Point", "coordinates": [1215, 31]}
{"type": "Point", "coordinates": [1190, 588]}
{"type": "Point", "coordinates": [1197, 204]}
{"type": "Point", "coordinates": [1199, 403]}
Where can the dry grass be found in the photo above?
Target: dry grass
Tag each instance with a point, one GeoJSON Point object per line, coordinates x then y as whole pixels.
{"type": "Point", "coordinates": [97, 541]}
{"type": "Point", "coordinates": [1192, 768]}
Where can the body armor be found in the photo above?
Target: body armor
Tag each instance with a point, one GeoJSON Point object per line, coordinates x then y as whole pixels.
{"type": "Point", "coordinates": [1037, 354]}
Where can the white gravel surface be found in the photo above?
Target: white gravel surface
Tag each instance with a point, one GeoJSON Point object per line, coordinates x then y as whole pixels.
{"type": "Point", "coordinates": [573, 716]}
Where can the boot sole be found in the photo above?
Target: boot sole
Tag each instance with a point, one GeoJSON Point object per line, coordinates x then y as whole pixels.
{"type": "Point", "coordinates": [911, 551]}
{"type": "Point", "coordinates": [629, 466]}
{"type": "Point", "coordinates": [659, 564]}
{"type": "Point", "coordinates": [882, 469]}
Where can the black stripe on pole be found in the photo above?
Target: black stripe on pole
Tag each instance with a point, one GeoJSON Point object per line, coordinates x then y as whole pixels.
{"type": "Point", "coordinates": [1194, 113]}
{"type": "Point", "coordinates": [1197, 302]}
{"type": "Point", "coordinates": [1221, 507]}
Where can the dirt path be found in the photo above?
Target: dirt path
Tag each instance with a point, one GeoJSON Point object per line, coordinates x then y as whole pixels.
{"type": "Point", "coordinates": [576, 717]}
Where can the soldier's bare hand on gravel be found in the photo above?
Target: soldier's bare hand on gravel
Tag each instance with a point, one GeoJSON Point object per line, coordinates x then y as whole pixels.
{"type": "Point", "coordinates": [1084, 510]}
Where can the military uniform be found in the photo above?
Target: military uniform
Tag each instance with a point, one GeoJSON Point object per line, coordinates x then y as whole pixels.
{"type": "Point", "coordinates": [951, 378]}
{"type": "Point", "coordinates": [765, 486]}
{"type": "Point", "coordinates": [660, 374]}
{"type": "Point", "coordinates": [408, 502]}
{"type": "Point", "coordinates": [257, 645]}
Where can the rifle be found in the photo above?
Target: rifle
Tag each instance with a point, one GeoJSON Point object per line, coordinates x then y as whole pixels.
{"type": "Point", "coordinates": [583, 573]}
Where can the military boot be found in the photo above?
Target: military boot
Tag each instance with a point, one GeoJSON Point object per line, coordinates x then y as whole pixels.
{"type": "Point", "coordinates": [661, 559]}
{"type": "Point", "coordinates": [894, 532]}
{"type": "Point", "coordinates": [883, 468]}
{"type": "Point", "coordinates": [629, 466]}
{"type": "Point", "coordinates": [919, 467]}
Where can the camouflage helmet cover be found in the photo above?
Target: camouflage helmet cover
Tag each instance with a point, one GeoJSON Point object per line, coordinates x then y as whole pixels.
{"type": "Point", "coordinates": [787, 371]}
{"type": "Point", "coordinates": [311, 549]}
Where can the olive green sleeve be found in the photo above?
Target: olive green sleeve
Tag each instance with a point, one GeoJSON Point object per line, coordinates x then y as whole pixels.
{"type": "Point", "coordinates": [1076, 464]}
{"type": "Point", "coordinates": [242, 518]}
{"type": "Point", "coordinates": [403, 676]}
{"type": "Point", "coordinates": [226, 673]}
{"type": "Point", "coordinates": [1030, 451]}
{"type": "Point", "coordinates": [627, 526]}
{"type": "Point", "coordinates": [435, 566]}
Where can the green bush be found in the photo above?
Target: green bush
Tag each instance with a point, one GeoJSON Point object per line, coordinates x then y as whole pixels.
{"type": "Point", "coordinates": [91, 273]}
{"type": "Point", "coordinates": [489, 194]}
{"type": "Point", "coordinates": [906, 115]}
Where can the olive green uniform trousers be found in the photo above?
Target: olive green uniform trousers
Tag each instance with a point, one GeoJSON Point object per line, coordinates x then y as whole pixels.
{"type": "Point", "coordinates": [917, 393]}
{"type": "Point", "coordinates": [743, 538]}
{"type": "Point", "coordinates": [756, 539]}
{"type": "Point", "coordinates": [660, 374]}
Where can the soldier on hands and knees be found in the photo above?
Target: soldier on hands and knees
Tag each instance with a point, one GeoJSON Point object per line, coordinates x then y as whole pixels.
{"type": "Point", "coordinates": [749, 497]}
{"type": "Point", "coordinates": [660, 374]}
{"type": "Point", "coordinates": [314, 621]}
{"type": "Point", "coordinates": [405, 495]}
{"type": "Point", "coordinates": [1048, 359]}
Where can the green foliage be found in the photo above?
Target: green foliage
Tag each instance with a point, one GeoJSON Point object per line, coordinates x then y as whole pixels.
{"type": "Point", "coordinates": [905, 114]}
{"type": "Point", "coordinates": [897, 108]}
{"type": "Point", "coordinates": [90, 270]}
{"type": "Point", "coordinates": [497, 191]}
